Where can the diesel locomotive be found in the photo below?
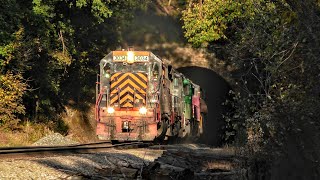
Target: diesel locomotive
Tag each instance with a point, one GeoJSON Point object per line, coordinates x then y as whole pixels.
{"type": "Point", "coordinates": [139, 97]}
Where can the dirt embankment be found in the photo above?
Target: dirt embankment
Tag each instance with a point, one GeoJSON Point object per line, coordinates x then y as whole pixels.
{"type": "Point", "coordinates": [81, 124]}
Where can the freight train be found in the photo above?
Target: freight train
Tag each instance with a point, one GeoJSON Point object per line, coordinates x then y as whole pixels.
{"type": "Point", "coordinates": [139, 97]}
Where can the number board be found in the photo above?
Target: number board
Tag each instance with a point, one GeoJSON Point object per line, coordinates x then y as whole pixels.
{"type": "Point", "coordinates": [119, 58]}
{"type": "Point", "coordinates": [141, 58]}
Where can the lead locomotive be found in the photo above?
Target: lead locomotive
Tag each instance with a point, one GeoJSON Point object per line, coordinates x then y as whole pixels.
{"type": "Point", "coordinates": [141, 98]}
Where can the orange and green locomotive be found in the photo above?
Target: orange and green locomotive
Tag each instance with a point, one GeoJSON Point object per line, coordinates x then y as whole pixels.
{"type": "Point", "coordinates": [141, 98]}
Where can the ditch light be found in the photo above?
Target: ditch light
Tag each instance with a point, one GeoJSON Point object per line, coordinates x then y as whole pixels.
{"type": "Point", "coordinates": [143, 110]}
{"type": "Point", "coordinates": [110, 110]}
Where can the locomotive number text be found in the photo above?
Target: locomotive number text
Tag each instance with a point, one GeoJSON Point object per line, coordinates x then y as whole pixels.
{"type": "Point", "coordinates": [141, 58]}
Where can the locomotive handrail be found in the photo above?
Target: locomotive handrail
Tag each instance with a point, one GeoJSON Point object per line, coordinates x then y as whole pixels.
{"type": "Point", "coordinates": [119, 97]}
{"type": "Point", "coordinates": [97, 114]}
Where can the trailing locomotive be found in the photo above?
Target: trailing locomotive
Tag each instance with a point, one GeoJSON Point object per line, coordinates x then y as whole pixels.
{"type": "Point", "coordinates": [141, 98]}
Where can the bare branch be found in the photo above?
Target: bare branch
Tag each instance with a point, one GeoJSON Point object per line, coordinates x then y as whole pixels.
{"type": "Point", "coordinates": [292, 51]}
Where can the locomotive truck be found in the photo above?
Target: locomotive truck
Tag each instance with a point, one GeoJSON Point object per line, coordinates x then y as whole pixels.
{"type": "Point", "coordinates": [139, 97]}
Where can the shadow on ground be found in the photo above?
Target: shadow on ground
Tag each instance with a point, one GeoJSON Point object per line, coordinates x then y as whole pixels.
{"type": "Point", "coordinates": [176, 162]}
{"type": "Point", "coordinates": [97, 166]}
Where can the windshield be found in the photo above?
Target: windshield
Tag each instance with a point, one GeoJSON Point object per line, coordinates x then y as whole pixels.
{"type": "Point", "coordinates": [124, 67]}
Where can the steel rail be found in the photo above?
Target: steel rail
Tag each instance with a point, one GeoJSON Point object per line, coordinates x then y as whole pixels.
{"type": "Point", "coordinates": [71, 145]}
{"type": "Point", "coordinates": [64, 150]}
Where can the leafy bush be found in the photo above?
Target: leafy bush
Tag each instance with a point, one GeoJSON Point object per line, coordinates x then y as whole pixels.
{"type": "Point", "coordinates": [11, 91]}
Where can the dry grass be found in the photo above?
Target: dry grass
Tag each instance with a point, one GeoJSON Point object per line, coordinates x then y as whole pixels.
{"type": "Point", "coordinates": [28, 134]}
{"type": "Point", "coordinates": [81, 124]}
{"type": "Point", "coordinates": [3, 139]}
{"type": "Point", "coordinates": [80, 128]}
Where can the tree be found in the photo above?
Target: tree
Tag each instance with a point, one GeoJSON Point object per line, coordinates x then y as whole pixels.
{"type": "Point", "coordinates": [272, 45]}
{"type": "Point", "coordinates": [210, 20]}
{"type": "Point", "coordinates": [12, 86]}
{"type": "Point", "coordinates": [53, 47]}
{"type": "Point", "coordinates": [11, 91]}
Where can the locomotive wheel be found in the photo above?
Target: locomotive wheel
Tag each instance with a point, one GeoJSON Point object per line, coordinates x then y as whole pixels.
{"type": "Point", "coordinates": [195, 132]}
{"type": "Point", "coordinates": [162, 130]}
{"type": "Point", "coordinates": [195, 128]}
{"type": "Point", "coordinates": [174, 138]}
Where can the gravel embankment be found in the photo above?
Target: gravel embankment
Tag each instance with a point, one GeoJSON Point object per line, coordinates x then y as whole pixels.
{"type": "Point", "coordinates": [114, 163]}
{"type": "Point", "coordinates": [103, 165]}
{"type": "Point", "coordinates": [180, 161]}
{"type": "Point", "coordinates": [55, 139]}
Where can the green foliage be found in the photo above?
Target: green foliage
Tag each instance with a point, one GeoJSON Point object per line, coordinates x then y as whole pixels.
{"type": "Point", "coordinates": [210, 20]}
{"type": "Point", "coordinates": [12, 86]}
{"type": "Point", "coordinates": [207, 21]}
{"type": "Point", "coordinates": [62, 58]}
{"type": "Point", "coordinates": [9, 20]}
{"type": "Point", "coordinates": [42, 9]}
{"type": "Point", "coordinates": [6, 54]}
{"type": "Point", "coordinates": [99, 9]}
{"type": "Point", "coordinates": [8, 51]}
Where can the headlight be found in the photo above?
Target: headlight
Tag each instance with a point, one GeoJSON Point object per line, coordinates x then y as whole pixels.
{"type": "Point", "coordinates": [107, 75]}
{"type": "Point", "coordinates": [110, 110]}
{"type": "Point", "coordinates": [143, 110]}
{"type": "Point", "coordinates": [130, 57]}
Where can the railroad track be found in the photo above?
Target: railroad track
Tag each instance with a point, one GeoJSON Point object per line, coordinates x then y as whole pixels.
{"type": "Point", "coordinates": [27, 151]}
{"type": "Point", "coordinates": [175, 161]}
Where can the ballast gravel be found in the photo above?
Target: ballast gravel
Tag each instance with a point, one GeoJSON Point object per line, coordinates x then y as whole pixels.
{"type": "Point", "coordinates": [55, 139]}
{"type": "Point", "coordinates": [115, 164]}
{"type": "Point", "coordinates": [184, 161]}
